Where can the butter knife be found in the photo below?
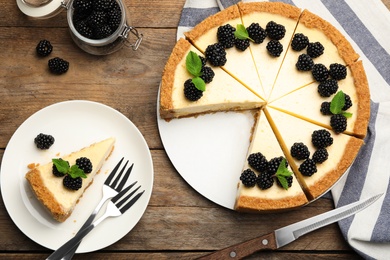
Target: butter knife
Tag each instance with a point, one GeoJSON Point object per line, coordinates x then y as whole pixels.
{"type": "Point", "coordinates": [288, 234]}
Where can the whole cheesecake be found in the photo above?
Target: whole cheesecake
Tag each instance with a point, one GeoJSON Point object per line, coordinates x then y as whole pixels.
{"type": "Point", "coordinates": [50, 190]}
{"type": "Point", "coordinates": [313, 97]}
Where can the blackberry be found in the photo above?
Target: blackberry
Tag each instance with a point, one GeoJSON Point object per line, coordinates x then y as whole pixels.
{"type": "Point", "coordinates": [225, 35]}
{"type": "Point", "coordinates": [328, 87]}
{"type": "Point", "coordinates": [216, 54]}
{"type": "Point", "coordinates": [56, 172]}
{"type": "Point", "coordinates": [248, 178]}
{"type": "Point", "coordinates": [275, 48]}
{"type": "Point", "coordinates": [308, 167]}
{"type": "Point", "coordinates": [84, 29]}
{"type": "Point", "coordinates": [348, 102]}
{"type": "Point", "coordinates": [97, 19]}
{"type": "Point", "coordinates": [325, 109]}
{"type": "Point", "coordinates": [102, 32]}
{"type": "Point", "coordinates": [320, 72]}
{"type": "Point", "coordinates": [273, 165]}
{"type": "Point", "coordinates": [102, 5]}
{"type": "Point", "coordinates": [84, 164]}
{"type": "Point", "coordinates": [321, 138]}
{"type": "Point", "coordinates": [203, 60]}
{"type": "Point", "coordinates": [304, 63]}
{"type": "Point", "coordinates": [320, 155]}
{"type": "Point", "coordinates": [242, 45]}
{"type": "Point", "coordinates": [289, 180]}
{"type": "Point", "coordinates": [299, 42]}
{"type": "Point", "coordinates": [82, 5]}
{"type": "Point", "coordinates": [58, 65]}
{"type": "Point", "coordinates": [258, 162]}
{"type": "Point", "coordinates": [256, 33]}
{"type": "Point", "coordinates": [191, 92]}
{"type": "Point", "coordinates": [337, 71]}
{"type": "Point", "coordinates": [44, 141]}
{"type": "Point", "coordinates": [44, 48]}
{"type": "Point", "coordinates": [338, 123]}
{"type": "Point", "coordinates": [264, 181]}
{"type": "Point", "coordinates": [315, 49]}
{"type": "Point", "coordinates": [72, 184]}
{"type": "Point", "coordinates": [114, 17]}
{"type": "Point", "coordinates": [207, 74]}
{"type": "Point", "coordinates": [299, 151]}
{"type": "Point", "coordinates": [275, 31]}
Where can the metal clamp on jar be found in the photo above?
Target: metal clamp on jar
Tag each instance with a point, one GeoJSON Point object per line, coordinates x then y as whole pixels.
{"type": "Point", "coordinates": [101, 44]}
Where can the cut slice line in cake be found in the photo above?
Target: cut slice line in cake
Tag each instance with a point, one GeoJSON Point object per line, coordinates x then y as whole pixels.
{"type": "Point", "coordinates": [262, 13]}
{"type": "Point", "coordinates": [306, 102]}
{"type": "Point", "coordinates": [49, 189]}
{"type": "Point", "coordinates": [239, 63]}
{"type": "Point", "coordinates": [224, 93]}
{"type": "Point", "coordinates": [342, 152]}
{"type": "Point", "coordinates": [275, 198]}
{"type": "Point", "coordinates": [337, 49]}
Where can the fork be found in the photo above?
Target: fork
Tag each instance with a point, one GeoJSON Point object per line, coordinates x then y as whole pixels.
{"type": "Point", "coordinates": [117, 206]}
{"type": "Point", "coordinates": [111, 187]}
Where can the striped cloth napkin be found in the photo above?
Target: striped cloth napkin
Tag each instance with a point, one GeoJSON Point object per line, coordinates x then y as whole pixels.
{"type": "Point", "coordinates": [367, 27]}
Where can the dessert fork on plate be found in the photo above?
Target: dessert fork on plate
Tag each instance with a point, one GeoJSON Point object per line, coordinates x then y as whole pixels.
{"type": "Point", "coordinates": [117, 206]}
{"type": "Point", "coordinates": [111, 187]}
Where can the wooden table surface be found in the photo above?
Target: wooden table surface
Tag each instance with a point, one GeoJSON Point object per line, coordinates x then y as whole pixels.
{"type": "Point", "coordinates": [178, 223]}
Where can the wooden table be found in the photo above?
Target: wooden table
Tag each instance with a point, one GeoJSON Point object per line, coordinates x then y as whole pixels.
{"type": "Point", "coordinates": [178, 223]}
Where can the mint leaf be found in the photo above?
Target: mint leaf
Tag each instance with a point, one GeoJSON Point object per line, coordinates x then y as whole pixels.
{"type": "Point", "coordinates": [75, 172]}
{"type": "Point", "coordinates": [194, 64]}
{"type": "Point", "coordinates": [283, 173]}
{"type": "Point", "coordinates": [337, 103]}
{"type": "Point", "coordinates": [61, 165]}
{"type": "Point", "coordinates": [347, 114]}
{"type": "Point", "coordinates": [241, 32]}
{"type": "Point", "coordinates": [199, 83]}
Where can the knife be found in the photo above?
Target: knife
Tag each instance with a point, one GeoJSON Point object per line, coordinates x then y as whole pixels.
{"type": "Point", "coordinates": [286, 235]}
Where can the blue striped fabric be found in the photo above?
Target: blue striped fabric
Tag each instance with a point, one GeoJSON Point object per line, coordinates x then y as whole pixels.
{"type": "Point", "coordinates": [366, 26]}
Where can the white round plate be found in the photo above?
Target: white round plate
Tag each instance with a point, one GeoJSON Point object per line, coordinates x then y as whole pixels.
{"type": "Point", "coordinates": [74, 124]}
{"type": "Point", "coordinates": [209, 151]}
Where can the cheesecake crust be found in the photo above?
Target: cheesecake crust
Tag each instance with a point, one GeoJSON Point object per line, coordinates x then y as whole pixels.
{"type": "Point", "coordinates": [168, 77]}
{"type": "Point", "coordinates": [45, 196]}
{"type": "Point", "coordinates": [268, 7]}
{"type": "Point", "coordinates": [213, 21]}
{"type": "Point", "coordinates": [253, 204]}
{"type": "Point", "coordinates": [345, 49]}
{"type": "Point", "coordinates": [363, 96]}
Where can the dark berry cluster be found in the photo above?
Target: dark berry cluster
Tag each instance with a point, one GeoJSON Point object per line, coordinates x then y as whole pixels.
{"type": "Point", "coordinates": [96, 19]}
{"type": "Point", "coordinates": [299, 42]}
{"type": "Point", "coordinates": [275, 31]}
{"type": "Point", "coordinates": [84, 164]}
{"type": "Point", "coordinates": [58, 65]}
{"type": "Point", "coordinates": [328, 87]}
{"type": "Point", "coordinates": [274, 48]}
{"type": "Point", "coordinates": [71, 181]}
{"type": "Point", "coordinates": [44, 141]}
{"type": "Point", "coordinates": [256, 33]}
{"type": "Point", "coordinates": [216, 54]}
{"type": "Point", "coordinates": [300, 151]}
{"type": "Point", "coordinates": [321, 138]}
{"type": "Point", "coordinates": [304, 63]}
{"type": "Point", "coordinates": [266, 172]}
{"type": "Point", "coordinates": [44, 48]}
{"type": "Point", "coordinates": [225, 35]}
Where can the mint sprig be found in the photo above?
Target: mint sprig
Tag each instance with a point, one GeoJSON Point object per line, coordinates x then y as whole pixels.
{"type": "Point", "coordinates": [194, 67]}
{"type": "Point", "coordinates": [337, 104]}
{"type": "Point", "coordinates": [63, 167]}
{"type": "Point", "coordinates": [242, 33]}
{"type": "Point", "coordinates": [283, 173]}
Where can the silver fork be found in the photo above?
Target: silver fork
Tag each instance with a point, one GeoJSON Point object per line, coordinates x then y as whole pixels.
{"type": "Point", "coordinates": [111, 187]}
{"type": "Point", "coordinates": [116, 207]}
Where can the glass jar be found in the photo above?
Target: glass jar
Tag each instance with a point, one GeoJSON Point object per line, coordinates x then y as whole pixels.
{"type": "Point", "coordinates": [125, 35]}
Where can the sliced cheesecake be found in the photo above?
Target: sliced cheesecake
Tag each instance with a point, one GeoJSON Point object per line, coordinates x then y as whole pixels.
{"type": "Point", "coordinates": [306, 102]}
{"type": "Point", "coordinates": [49, 189]}
{"type": "Point", "coordinates": [276, 197]}
{"type": "Point", "coordinates": [239, 63]}
{"type": "Point", "coordinates": [341, 153]}
{"type": "Point", "coordinates": [263, 13]}
{"type": "Point", "coordinates": [337, 49]}
{"type": "Point", "coordinates": [223, 93]}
